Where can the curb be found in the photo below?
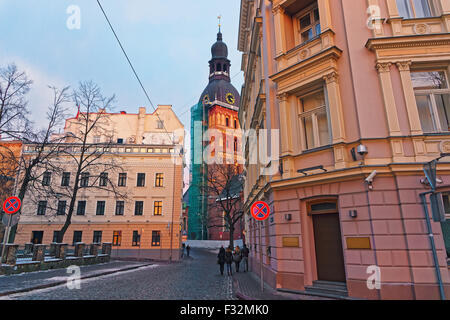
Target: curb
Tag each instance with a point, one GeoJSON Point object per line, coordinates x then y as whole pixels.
{"type": "Point", "coordinates": [239, 294]}
{"type": "Point", "coordinates": [58, 283]}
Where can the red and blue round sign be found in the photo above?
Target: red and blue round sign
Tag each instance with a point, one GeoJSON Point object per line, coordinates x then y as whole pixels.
{"type": "Point", "coordinates": [260, 210]}
{"type": "Point", "coordinates": [11, 205]}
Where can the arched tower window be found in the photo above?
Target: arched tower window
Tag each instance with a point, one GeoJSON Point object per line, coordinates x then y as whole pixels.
{"type": "Point", "coordinates": [219, 67]}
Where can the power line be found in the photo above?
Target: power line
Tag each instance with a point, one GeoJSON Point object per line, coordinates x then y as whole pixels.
{"type": "Point", "coordinates": [134, 70]}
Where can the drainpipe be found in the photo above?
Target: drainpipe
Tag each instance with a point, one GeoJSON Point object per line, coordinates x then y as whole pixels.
{"type": "Point", "coordinates": [433, 245]}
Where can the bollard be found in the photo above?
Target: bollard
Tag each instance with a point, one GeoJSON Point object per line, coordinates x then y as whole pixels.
{"type": "Point", "coordinates": [79, 249]}
{"type": "Point", "coordinates": [39, 252]}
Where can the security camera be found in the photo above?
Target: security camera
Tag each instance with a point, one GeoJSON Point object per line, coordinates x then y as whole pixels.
{"type": "Point", "coordinates": [370, 178]}
{"type": "Point", "coordinates": [362, 150]}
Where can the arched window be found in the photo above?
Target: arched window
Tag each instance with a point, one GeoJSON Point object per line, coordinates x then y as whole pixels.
{"type": "Point", "coordinates": [219, 67]}
{"type": "Point", "coordinates": [225, 68]}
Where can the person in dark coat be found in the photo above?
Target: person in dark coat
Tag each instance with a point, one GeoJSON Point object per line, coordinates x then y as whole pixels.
{"type": "Point", "coordinates": [188, 249]}
{"type": "Point", "coordinates": [237, 257]}
{"type": "Point", "coordinates": [245, 253]}
{"type": "Point", "coordinates": [221, 259]}
{"type": "Point", "coordinates": [229, 260]}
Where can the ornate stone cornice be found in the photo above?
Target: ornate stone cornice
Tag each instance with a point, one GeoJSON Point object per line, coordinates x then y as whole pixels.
{"type": "Point", "coordinates": [429, 40]}
{"type": "Point", "coordinates": [383, 67]}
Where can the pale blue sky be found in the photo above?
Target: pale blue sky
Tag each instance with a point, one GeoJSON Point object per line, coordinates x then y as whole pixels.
{"type": "Point", "coordinates": [168, 42]}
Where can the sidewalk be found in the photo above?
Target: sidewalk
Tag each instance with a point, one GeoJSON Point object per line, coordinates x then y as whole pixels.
{"type": "Point", "coordinates": [25, 282]}
{"type": "Point", "coordinates": [248, 287]}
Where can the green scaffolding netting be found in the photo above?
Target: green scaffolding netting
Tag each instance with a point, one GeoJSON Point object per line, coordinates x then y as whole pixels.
{"type": "Point", "coordinates": [197, 213]}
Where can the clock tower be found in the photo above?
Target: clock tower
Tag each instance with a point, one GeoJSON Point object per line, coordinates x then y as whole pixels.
{"type": "Point", "coordinates": [218, 108]}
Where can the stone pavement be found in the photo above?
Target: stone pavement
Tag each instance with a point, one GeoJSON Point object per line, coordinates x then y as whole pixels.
{"type": "Point", "coordinates": [25, 282]}
{"type": "Point", "coordinates": [247, 286]}
{"type": "Point", "coordinates": [194, 278]}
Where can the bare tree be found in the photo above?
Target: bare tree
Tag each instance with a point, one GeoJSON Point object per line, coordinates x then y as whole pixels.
{"type": "Point", "coordinates": [87, 151]}
{"type": "Point", "coordinates": [14, 86]}
{"type": "Point", "coordinates": [40, 150]}
{"type": "Point", "coordinates": [224, 188]}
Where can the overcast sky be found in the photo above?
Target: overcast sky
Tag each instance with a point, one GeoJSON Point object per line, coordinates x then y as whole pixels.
{"type": "Point", "coordinates": [168, 42]}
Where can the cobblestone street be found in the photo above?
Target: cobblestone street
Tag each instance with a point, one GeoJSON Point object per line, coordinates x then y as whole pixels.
{"type": "Point", "coordinates": [196, 278]}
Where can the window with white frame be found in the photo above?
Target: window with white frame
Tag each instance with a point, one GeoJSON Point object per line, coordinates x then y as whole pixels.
{"type": "Point", "coordinates": [433, 99]}
{"type": "Point", "coordinates": [309, 23]}
{"type": "Point", "coordinates": [410, 9]}
{"type": "Point", "coordinates": [313, 119]}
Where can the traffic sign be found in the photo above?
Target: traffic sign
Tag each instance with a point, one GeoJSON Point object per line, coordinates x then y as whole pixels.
{"type": "Point", "coordinates": [11, 205]}
{"type": "Point", "coordinates": [14, 220]}
{"type": "Point", "coordinates": [260, 210]}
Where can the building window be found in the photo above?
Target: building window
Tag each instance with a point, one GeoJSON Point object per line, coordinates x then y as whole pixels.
{"type": "Point", "coordinates": [235, 145]}
{"type": "Point", "coordinates": [160, 124]}
{"type": "Point", "coordinates": [84, 181]}
{"type": "Point", "coordinates": [96, 139]}
{"type": "Point", "coordinates": [103, 179]}
{"type": "Point", "coordinates": [136, 239]}
{"type": "Point", "coordinates": [81, 208]}
{"type": "Point", "coordinates": [156, 238]}
{"type": "Point", "coordinates": [122, 180]}
{"type": "Point", "coordinates": [309, 23]}
{"type": "Point", "coordinates": [61, 211]}
{"type": "Point", "coordinates": [314, 120]}
{"type": "Point", "coordinates": [159, 180]}
{"type": "Point", "coordinates": [100, 211]}
{"type": "Point", "coordinates": [42, 208]}
{"type": "Point", "coordinates": [77, 237]}
{"type": "Point", "coordinates": [97, 237]}
{"type": "Point", "coordinates": [117, 238]}
{"type": "Point", "coordinates": [433, 100]}
{"type": "Point", "coordinates": [120, 206]}
{"type": "Point", "coordinates": [227, 122]}
{"type": "Point", "coordinates": [46, 179]}
{"type": "Point", "coordinates": [410, 9]}
{"type": "Point", "coordinates": [56, 236]}
{"type": "Point", "coordinates": [36, 237]}
{"type": "Point", "coordinates": [157, 211]}
{"type": "Point", "coordinates": [119, 141]}
{"type": "Point", "coordinates": [139, 208]}
{"type": "Point", "coordinates": [141, 179]}
{"type": "Point", "coordinates": [65, 181]}
{"type": "Point", "coordinates": [235, 124]}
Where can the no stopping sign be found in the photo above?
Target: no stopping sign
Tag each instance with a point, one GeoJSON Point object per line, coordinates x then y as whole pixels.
{"type": "Point", "coordinates": [11, 205]}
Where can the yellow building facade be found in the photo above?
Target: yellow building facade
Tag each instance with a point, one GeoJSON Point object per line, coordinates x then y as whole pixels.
{"type": "Point", "coordinates": [147, 152]}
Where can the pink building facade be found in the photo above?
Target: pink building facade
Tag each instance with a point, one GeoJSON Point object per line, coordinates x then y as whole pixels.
{"type": "Point", "coordinates": [359, 94]}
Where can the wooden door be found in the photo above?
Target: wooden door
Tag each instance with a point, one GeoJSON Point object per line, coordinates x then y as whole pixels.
{"type": "Point", "coordinates": [328, 244]}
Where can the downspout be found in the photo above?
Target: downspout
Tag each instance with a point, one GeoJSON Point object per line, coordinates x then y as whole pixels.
{"type": "Point", "coordinates": [433, 245]}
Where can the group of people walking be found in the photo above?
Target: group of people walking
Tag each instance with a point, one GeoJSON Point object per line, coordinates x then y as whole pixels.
{"type": "Point", "coordinates": [228, 256]}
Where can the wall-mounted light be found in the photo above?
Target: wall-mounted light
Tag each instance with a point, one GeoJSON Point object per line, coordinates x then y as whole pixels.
{"type": "Point", "coordinates": [353, 213]}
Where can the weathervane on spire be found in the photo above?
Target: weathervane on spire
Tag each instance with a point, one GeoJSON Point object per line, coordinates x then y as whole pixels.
{"type": "Point", "coordinates": [219, 18]}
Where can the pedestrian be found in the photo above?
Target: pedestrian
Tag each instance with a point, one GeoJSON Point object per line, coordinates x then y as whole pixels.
{"type": "Point", "coordinates": [229, 260]}
{"type": "Point", "coordinates": [245, 253]}
{"type": "Point", "coordinates": [221, 259]}
{"type": "Point", "coordinates": [183, 246]}
{"type": "Point", "coordinates": [237, 257]}
{"type": "Point", "coordinates": [188, 249]}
